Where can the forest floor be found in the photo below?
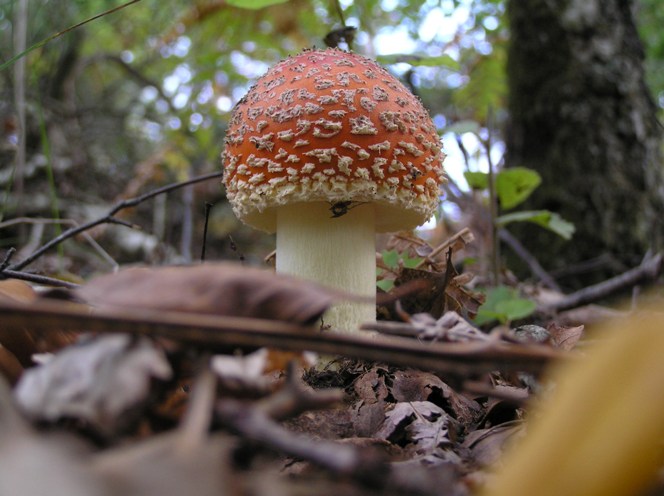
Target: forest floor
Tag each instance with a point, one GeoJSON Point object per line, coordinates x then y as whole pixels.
{"type": "Point", "coordinates": [183, 381]}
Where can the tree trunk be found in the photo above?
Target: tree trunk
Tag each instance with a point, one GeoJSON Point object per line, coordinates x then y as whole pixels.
{"type": "Point", "coordinates": [582, 116]}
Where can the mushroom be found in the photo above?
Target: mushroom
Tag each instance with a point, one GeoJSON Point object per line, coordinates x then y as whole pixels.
{"type": "Point", "coordinates": [326, 149]}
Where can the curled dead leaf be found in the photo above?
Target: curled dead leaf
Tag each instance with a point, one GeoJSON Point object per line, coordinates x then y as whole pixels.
{"type": "Point", "coordinates": [420, 424]}
{"type": "Point", "coordinates": [218, 289]}
{"type": "Point", "coordinates": [96, 381]}
{"type": "Point", "coordinates": [19, 345]}
{"type": "Point", "coordinates": [564, 337]}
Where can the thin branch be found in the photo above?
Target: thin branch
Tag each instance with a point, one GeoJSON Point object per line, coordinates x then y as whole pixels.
{"type": "Point", "coordinates": [649, 269]}
{"type": "Point", "coordinates": [340, 11]}
{"type": "Point", "coordinates": [65, 31]}
{"type": "Point", "coordinates": [37, 279]}
{"type": "Point", "coordinates": [533, 264]}
{"type": "Point", "coordinates": [71, 222]}
{"type": "Point", "coordinates": [20, 36]}
{"type": "Point", "coordinates": [208, 208]}
{"type": "Point", "coordinates": [465, 236]}
{"type": "Point", "coordinates": [109, 218]}
{"type": "Point", "coordinates": [493, 208]}
{"type": "Point", "coordinates": [218, 332]}
{"type": "Point", "coordinates": [8, 256]}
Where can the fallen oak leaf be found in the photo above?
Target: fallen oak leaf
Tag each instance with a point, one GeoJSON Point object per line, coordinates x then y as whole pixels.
{"type": "Point", "coordinates": [421, 424]}
{"type": "Point", "coordinates": [218, 289]}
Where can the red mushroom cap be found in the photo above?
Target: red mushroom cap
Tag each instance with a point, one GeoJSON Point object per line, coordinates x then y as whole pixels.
{"type": "Point", "coordinates": [333, 126]}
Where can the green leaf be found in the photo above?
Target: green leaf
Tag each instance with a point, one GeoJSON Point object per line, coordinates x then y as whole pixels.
{"type": "Point", "coordinates": [486, 87]}
{"type": "Point", "coordinates": [254, 4]}
{"type": "Point", "coordinates": [410, 263]}
{"type": "Point", "coordinates": [515, 309]}
{"type": "Point", "coordinates": [385, 284]}
{"type": "Point", "coordinates": [419, 60]}
{"type": "Point", "coordinates": [391, 258]}
{"type": "Point", "coordinates": [515, 185]}
{"type": "Point", "coordinates": [544, 218]}
{"type": "Point", "coordinates": [477, 180]}
{"type": "Point", "coordinates": [503, 304]}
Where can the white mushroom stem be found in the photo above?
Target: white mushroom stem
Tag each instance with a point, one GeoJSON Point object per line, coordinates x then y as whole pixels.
{"type": "Point", "coordinates": [339, 252]}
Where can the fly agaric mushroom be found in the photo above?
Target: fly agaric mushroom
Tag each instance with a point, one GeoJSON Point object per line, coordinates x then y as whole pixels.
{"type": "Point", "coordinates": [326, 149]}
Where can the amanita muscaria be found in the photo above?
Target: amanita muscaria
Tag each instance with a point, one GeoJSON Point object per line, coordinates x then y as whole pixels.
{"type": "Point", "coordinates": [326, 149]}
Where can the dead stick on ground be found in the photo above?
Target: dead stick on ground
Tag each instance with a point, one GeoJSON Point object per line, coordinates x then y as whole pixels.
{"type": "Point", "coordinates": [218, 332]}
{"type": "Point", "coordinates": [649, 269]}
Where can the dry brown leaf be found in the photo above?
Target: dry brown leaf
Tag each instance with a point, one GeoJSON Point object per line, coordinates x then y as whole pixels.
{"type": "Point", "coordinates": [564, 337]}
{"type": "Point", "coordinates": [371, 386]}
{"type": "Point", "coordinates": [406, 241]}
{"type": "Point", "coordinates": [420, 424]}
{"type": "Point", "coordinates": [220, 289]}
{"type": "Point", "coordinates": [96, 382]}
{"type": "Point", "coordinates": [10, 367]}
{"type": "Point", "coordinates": [445, 292]}
{"type": "Point", "coordinates": [16, 290]}
{"type": "Point", "coordinates": [487, 445]}
{"type": "Point", "coordinates": [17, 344]}
{"type": "Point", "coordinates": [22, 344]}
{"type": "Point", "coordinates": [416, 385]}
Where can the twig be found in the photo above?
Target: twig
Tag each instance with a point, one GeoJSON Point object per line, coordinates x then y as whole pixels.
{"type": "Point", "coordinates": [257, 422]}
{"type": "Point", "coordinates": [234, 249]}
{"type": "Point", "coordinates": [208, 208]}
{"type": "Point", "coordinates": [295, 398]}
{"type": "Point", "coordinates": [528, 257]}
{"type": "Point", "coordinates": [109, 218]}
{"type": "Point", "coordinates": [64, 31]}
{"type": "Point", "coordinates": [20, 35]}
{"type": "Point", "coordinates": [493, 209]}
{"type": "Point", "coordinates": [649, 269]}
{"type": "Point", "coordinates": [465, 235]}
{"type": "Point", "coordinates": [8, 257]}
{"type": "Point", "coordinates": [37, 279]}
{"type": "Point", "coordinates": [197, 418]}
{"type": "Point", "coordinates": [39, 220]}
{"type": "Point", "coordinates": [342, 459]}
{"type": "Point", "coordinates": [340, 12]}
{"type": "Point", "coordinates": [218, 332]}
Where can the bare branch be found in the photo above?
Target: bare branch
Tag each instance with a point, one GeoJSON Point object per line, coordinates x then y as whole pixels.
{"type": "Point", "coordinates": [108, 218]}
{"type": "Point", "coordinates": [37, 279]}
{"type": "Point", "coordinates": [218, 332]}
{"type": "Point", "coordinates": [649, 269]}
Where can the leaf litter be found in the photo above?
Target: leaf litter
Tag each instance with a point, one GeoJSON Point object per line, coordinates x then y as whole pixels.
{"type": "Point", "coordinates": [130, 413]}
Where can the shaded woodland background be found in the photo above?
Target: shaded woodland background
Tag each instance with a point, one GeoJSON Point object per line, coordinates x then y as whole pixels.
{"type": "Point", "coordinates": [141, 98]}
{"type": "Point", "coordinates": [106, 115]}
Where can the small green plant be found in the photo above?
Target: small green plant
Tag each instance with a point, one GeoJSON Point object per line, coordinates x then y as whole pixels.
{"type": "Point", "coordinates": [503, 304]}
{"type": "Point", "coordinates": [392, 262]}
{"type": "Point", "coordinates": [513, 187]}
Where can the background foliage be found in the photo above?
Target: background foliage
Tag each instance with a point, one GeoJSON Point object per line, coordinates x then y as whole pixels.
{"type": "Point", "coordinates": [141, 97]}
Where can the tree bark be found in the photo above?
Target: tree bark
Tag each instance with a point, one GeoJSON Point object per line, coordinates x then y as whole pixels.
{"type": "Point", "coordinates": [582, 116]}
